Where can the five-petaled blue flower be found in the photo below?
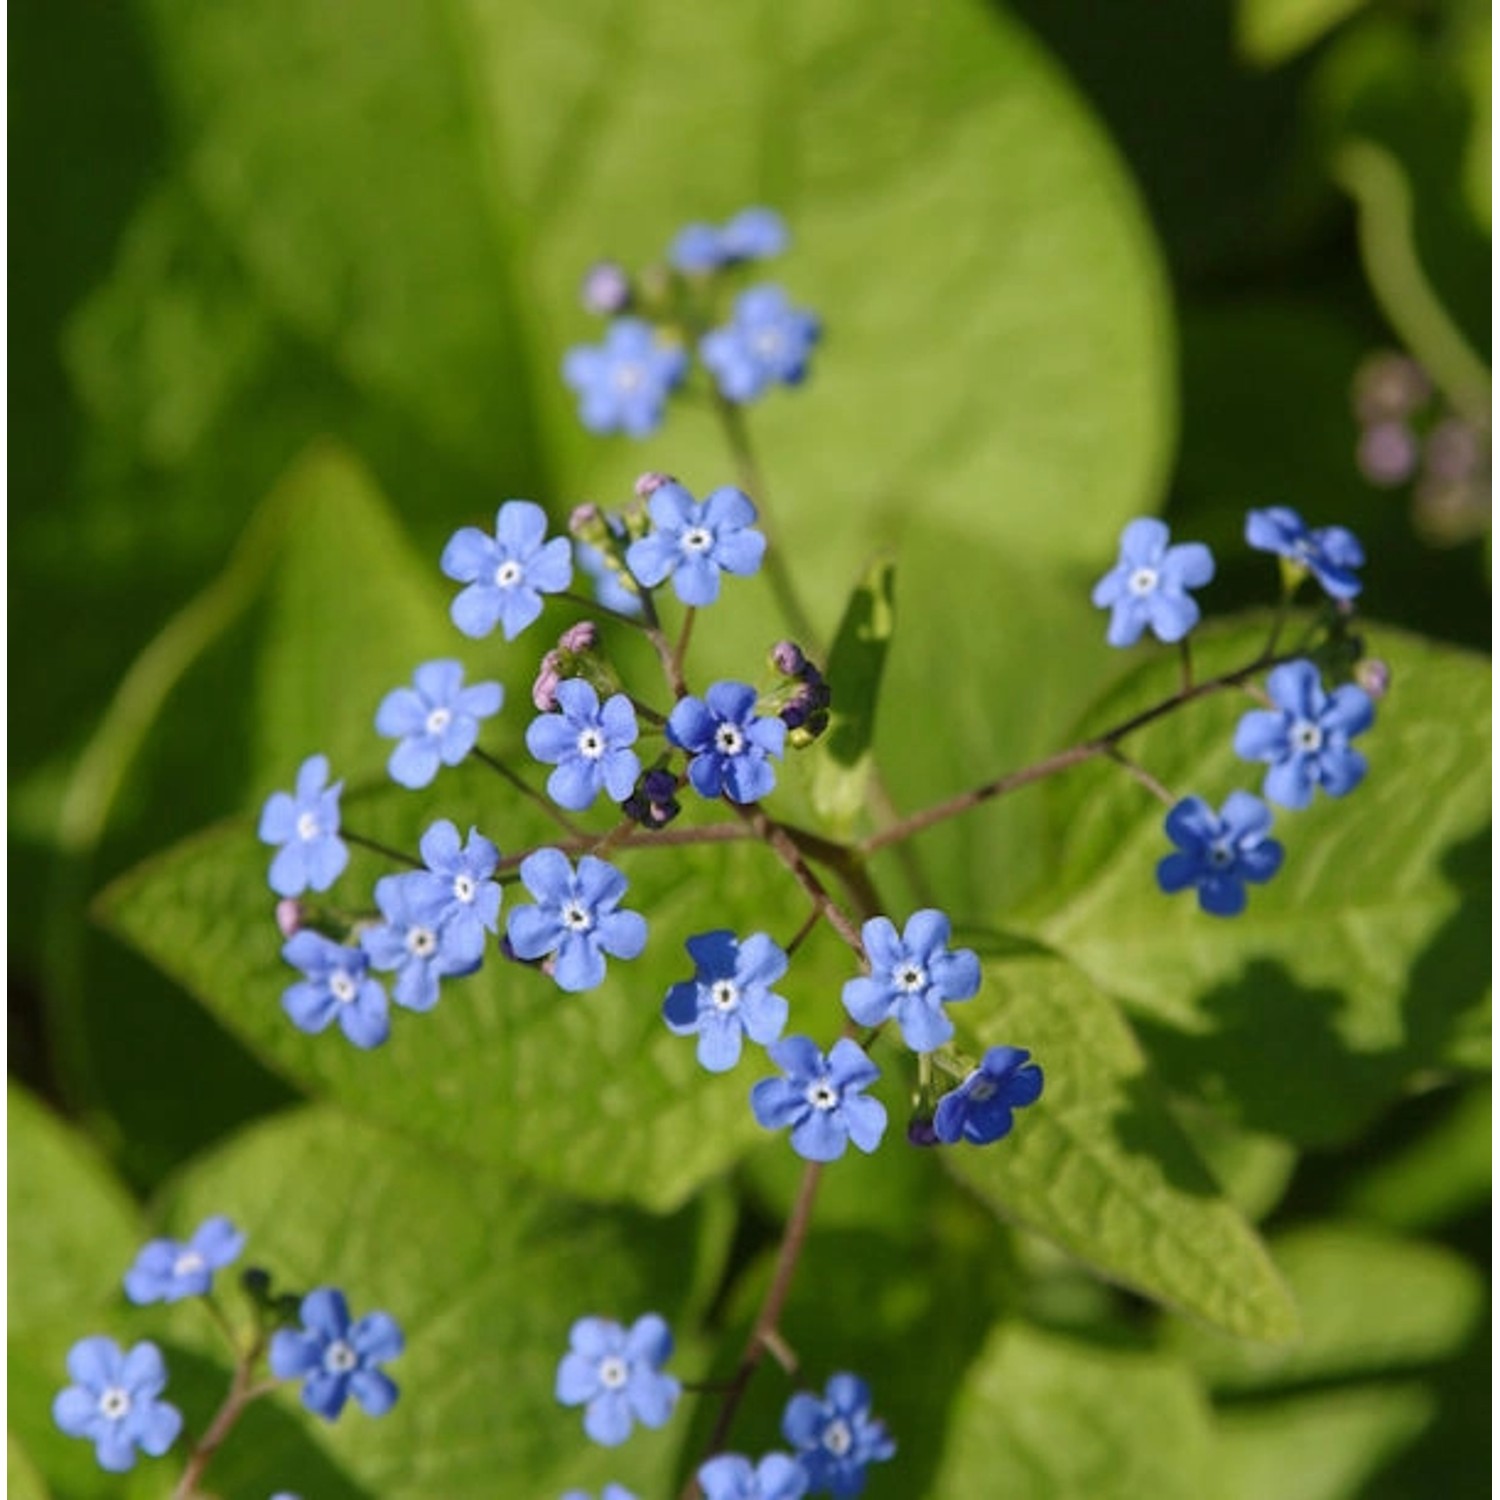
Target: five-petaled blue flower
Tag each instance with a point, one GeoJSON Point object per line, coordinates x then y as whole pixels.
{"type": "Point", "coordinates": [1219, 852]}
{"type": "Point", "coordinates": [306, 825]}
{"type": "Point", "coordinates": [1147, 587]}
{"type": "Point", "coordinates": [436, 720]}
{"type": "Point", "coordinates": [169, 1270]}
{"type": "Point", "coordinates": [456, 892]}
{"type": "Point", "coordinates": [981, 1109]}
{"type": "Point", "coordinates": [336, 987]}
{"type": "Point", "coordinates": [911, 977]}
{"type": "Point", "coordinates": [730, 997]}
{"type": "Point", "coordinates": [1329, 553]}
{"type": "Point", "coordinates": [729, 743]}
{"type": "Point", "coordinates": [413, 943]}
{"type": "Point", "coordinates": [507, 573]}
{"type": "Point", "coordinates": [766, 340]}
{"type": "Point", "coordinates": [615, 1375]}
{"type": "Point", "coordinates": [623, 383]}
{"type": "Point", "coordinates": [589, 745]}
{"type": "Point", "coordinates": [752, 234]}
{"type": "Point", "coordinates": [693, 543]}
{"type": "Point", "coordinates": [836, 1438]}
{"type": "Point", "coordinates": [821, 1098]}
{"type": "Point", "coordinates": [576, 917]}
{"type": "Point", "coordinates": [113, 1402]}
{"type": "Point", "coordinates": [338, 1358]}
{"type": "Point", "coordinates": [729, 1476]}
{"type": "Point", "coordinates": [1305, 738]}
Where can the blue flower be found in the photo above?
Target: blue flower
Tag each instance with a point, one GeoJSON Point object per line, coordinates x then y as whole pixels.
{"type": "Point", "coordinates": [507, 573]}
{"type": "Point", "coordinates": [836, 1438]}
{"type": "Point", "coordinates": [1330, 554]}
{"type": "Point", "coordinates": [169, 1270]}
{"type": "Point", "coordinates": [1147, 588]}
{"type": "Point", "coordinates": [911, 977]}
{"type": "Point", "coordinates": [623, 383]}
{"type": "Point", "coordinates": [335, 987]}
{"type": "Point", "coordinates": [693, 543]}
{"type": "Point", "coordinates": [455, 892]}
{"type": "Point", "coordinates": [729, 743]}
{"type": "Point", "coordinates": [576, 918]}
{"type": "Point", "coordinates": [980, 1108]}
{"type": "Point", "coordinates": [1219, 852]}
{"type": "Point", "coordinates": [616, 1376]}
{"type": "Point", "coordinates": [822, 1099]}
{"type": "Point", "coordinates": [437, 721]}
{"type": "Point", "coordinates": [112, 1402]}
{"type": "Point", "coordinates": [338, 1358]}
{"type": "Point", "coordinates": [609, 588]}
{"type": "Point", "coordinates": [729, 997]}
{"type": "Point", "coordinates": [609, 1492]}
{"type": "Point", "coordinates": [752, 234]}
{"type": "Point", "coordinates": [588, 744]}
{"type": "Point", "coordinates": [766, 339]}
{"type": "Point", "coordinates": [730, 1477]}
{"type": "Point", "coordinates": [306, 824]}
{"type": "Point", "coordinates": [412, 941]}
{"type": "Point", "coordinates": [1305, 739]}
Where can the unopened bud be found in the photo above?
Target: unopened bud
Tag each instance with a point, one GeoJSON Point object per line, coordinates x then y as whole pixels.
{"type": "Point", "coordinates": [788, 659]}
{"type": "Point", "coordinates": [651, 481]}
{"type": "Point", "coordinates": [544, 689]}
{"type": "Point", "coordinates": [606, 288]}
{"type": "Point", "coordinates": [1374, 676]}
{"type": "Point", "coordinates": [586, 521]}
{"type": "Point", "coordinates": [289, 916]}
{"type": "Point", "coordinates": [1387, 453]}
{"type": "Point", "coordinates": [583, 636]}
{"type": "Point", "coordinates": [919, 1132]}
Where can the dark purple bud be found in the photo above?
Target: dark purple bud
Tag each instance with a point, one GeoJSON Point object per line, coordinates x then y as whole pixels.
{"type": "Point", "coordinates": [583, 636]}
{"type": "Point", "coordinates": [1454, 451]}
{"type": "Point", "coordinates": [544, 689]}
{"type": "Point", "coordinates": [1388, 387]}
{"type": "Point", "coordinates": [796, 711]}
{"type": "Point", "coordinates": [659, 786]}
{"type": "Point", "coordinates": [606, 288]}
{"type": "Point", "coordinates": [1387, 453]}
{"type": "Point", "coordinates": [651, 481]}
{"type": "Point", "coordinates": [787, 658]}
{"type": "Point", "coordinates": [920, 1133]}
{"type": "Point", "coordinates": [289, 916]}
{"type": "Point", "coordinates": [1374, 676]}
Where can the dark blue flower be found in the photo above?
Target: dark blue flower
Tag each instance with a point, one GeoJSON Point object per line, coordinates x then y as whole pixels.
{"type": "Point", "coordinates": [1305, 738]}
{"type": "Point", "coordinates": [623, 383]}
{"type": "Point", "coordinates": [729, 743]}
{"type": "Point", "coordinates": [729, 1476]}
{"type": "Point", "coordinates": [576, 917]}
{"type": "Point", "coordinates": [1330, 553]}
{"type": "Point", "coordinates": [693, 543]}
{"type": "Point", "coordinates": [589, 745]}
{"type": "Point", "coordinates": [306, 824]}
{"type": "Point", "coordinates": [766, 340]}
{"type": "Point", "coordinates": [911, 977]}
{"type": "Point", "coordinates": [413, 943]}
{"type": "Point", "coordinates": [436, 720]}
{"type": "Point", "coordinates": [752, 234]}
{"type": "Point", "coordinates": [729, 997]}
{"type": "Point", "coordinates": [456, 892]}
{"type": "Point", "coordinates": [821, 1098]}
{"type": "Point", "coordinates": [336, 987]}
{"type": "Point", "coordinates": [507, 573]}
{"type": "Point", "coordinates": [169, 1270]}
{"type": "Point", "coordinates": [1219, 852]}
{"type": "Point", "coordinates": [1147, 587]}
{"type": "Point", "coordinates": [981, 1108]}
{"type": "Point", "coordinates": [836, 1438]}
{"type": "Point", "coordinates": [113, 1402]}
{"type": "Point", "coordinates": [615, 1375]}
{"type": "Point", "coordinates": [338, 1358]}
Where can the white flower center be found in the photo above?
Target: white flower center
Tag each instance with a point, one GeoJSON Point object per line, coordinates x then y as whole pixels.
{"type": "Point", "coordinates": [464, 888]}
{"type": "Point", "coordinates": [822, 1095]}
{"type": "Point", "coordinates": [697, 539]}
{"type": "Point", "coordinates": [576, 916]}
{"type": "Point", "coordinates": [590, 744]}
{"type": "Point", "coordinates": [508, 574]}
{"type": "Point", "coordinates": [438, 720]}
{"type": "Point", "coordinates": [341, 986]}
{"type": "Point", "coordinates": [983, 1088]}
{"type": "Point", "coordinates": [837, 1438]}
{"type": "Point", "coordinates": [613, 1372]}
{"type": "Point", "coordinates": [1307, 737]}
{"type": "Point", "coordinates": [307, 826]}
{"type": "Point", "coordinates": [114, 1403]}
{"type": "Point", "coordinates": [910, 978]}
{"type": "Point", "coordinates": [728, 740]}
{"type": "Point", "coordinates": [1142, 582]}
{"type": "Point", "coordinates": [421, 942]}
{"type": "Point", "coordinates": [725, 994]}
{"type": "Point", "coordinates": [629, 377]}
{"type": "Point", "coordinates": [339, 1358]}
{"type": "Point", "coordinates": [189, 1263]}
{"type": "Point", "coordinates": [767, 342]}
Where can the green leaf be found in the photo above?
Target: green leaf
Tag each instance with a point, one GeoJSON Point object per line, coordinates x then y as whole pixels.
{"type": "Point", "coordinates": [1042, 1418]}
{"type": "Point", "coordinates": [1100, 1167]}
{"type": "Point", "coordinates": [1275, 31]}
{"type": "Point", "coordinates": [22, 1481]}
{"type": "Point", "coordinates": [1354, 968]}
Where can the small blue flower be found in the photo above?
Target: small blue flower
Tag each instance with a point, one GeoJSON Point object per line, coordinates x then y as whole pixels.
{"type": "Point", "coordinates": [609, 1492]}
{"type": "Point", "coordinates": [821, 1098]}
{"type": "Point", "coordinates": [169, 1270]}
{"type": "Point", "coordinates": [729, 997]}
{"type": "Point", "coordinates": [413, 943]}
{"type": "Point", "coordinates": [766, 340]}
{"type": "Point", "coordinates": [1305, 739]}
{"type": "Point", "coordinates": [836, 1438]}
{"type": "Point", "coordinates": [1219, 852]}
{"type": "Point", "coordinates": [693, 543]}
{"type": "Point", "coordinates": [338, 1358]}
{"type": "Point", "coordinates": [623, 383]}
{"type": "Point", "coordinates": [1330, 553]}
{"type": "Point", "coordinates": [752, 234]}
{"type": "Point", "coordinates": [981, 1108]}
{"type": "Point", "coordinates": [112, 1402]}
{"type": "Point", "coordinates": [1147, 588]}
{"type": "Point", "coordinates": [306, 824]}
{"type": "Point", "coordinates": [336, 987]}
{"type": "Point", "coordinates": [911, 977]}
{"type": "Point", "coordinates": [455, 892]}
{"type": "Point", "coordinates": [730, 1477]}
{"type": "Point", "coordinates": [507, 573]}
{"type": "Point", "coordinates": [609, 588]}
{"type": "Point", "coordinates": [576, 918]}
{"type": "Point", "coordinates": [588, 744]}
{"type": "Point", "coordinates": [436, 721]}
{"type": "Point", "coordinates": [615, 1375]}
{"type": "Point", "coordinates": [729, 743]}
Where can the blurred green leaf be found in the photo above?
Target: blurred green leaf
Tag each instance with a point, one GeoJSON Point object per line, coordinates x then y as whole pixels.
{"type": "Point", "coordinates": [22, 1481]}
{"type": "Point", "coordinates": [1275, 31]}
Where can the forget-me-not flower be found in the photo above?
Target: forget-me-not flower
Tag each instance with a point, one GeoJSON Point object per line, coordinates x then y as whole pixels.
{"type": "Point", "coordinates": [576, 917]}
{"type": "Point", "coordinates": [1329, 553]}
{"type": "Point", "coordinates": [911, 977]}
{"type": "Point", "coordinates": [306, 825]}
{"type": "Point", "coordinates": [615, 1375]}
{"type": "Point", "coordinates": [981, 1109]}
{"type": "Point", "coordinates": [1219, 852]}
{"type": "Point", "coordinates": [169, 1270]}
{"type": "Point", "coordinates": [588, 743]}
{"type": "Point", "coordinates": [436, 720]}
{"type": "Point", "coordinates": [752, 234]}
{"type": "Point", "coordinates": [610, 589]}
{"type": "Point", "coordinates": [766, 340]}
{"type": "Point", "coordinates": [337, 1357]}
{"type": "Point", "coordinates": [336, 986]}
{"type": "Point", "coordinates": [609, 1492]}
{"type": "Point", "coordinates": [730, 996]}
{"type": "Point", "coordinates": [693, 543]}
{"type": "Point", "coordinates": [821, 1098]}
{"type": "Point", "coordinates": [728, 741]}
{"type": "Point", "coordinates": [1147, 588]}
{"type": "Point", "coordinates": [623, 384]}
{"type": "Point", "coordinates": [113, 1402]}
{"type": "Point", "coordinates": [835, 1437]}
{"type": "Point", "coordinates": [507, 573]}
{"type": "Point", "coordinates": [730, 1476]}
{"type": "Point", "coordinates": [456, 892]}
{"type": "Point", "coordinates": [412, 943]}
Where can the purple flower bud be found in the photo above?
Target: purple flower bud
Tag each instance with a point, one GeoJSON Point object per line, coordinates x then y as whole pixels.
{"type": "Point", "coordinates": [920, 1133]}
{"type": "Point", "coordinates": [1454, 451]}
{"type": "Point", "coordinates": [659, 786]}
{"type": "Point", "coordinates": [651, 481]}
{"type": "Point", "coordinates": [606, 288]}
{"type": "Point", "coordinates": [544, 689]}
{"type": "Point", "coordinates": [289, 916]}
{"type": "Point", "coordinates": [583, 636]}
{"type": "Point", "coordinates": [787, 658]}
{"type": "Point", "coordinates": [797, 709]}
{"type": "Point", "coordinates": [584, 518]}
{"type": "Point", "coordinates": [1389, 386]}
{"type": "Point", "coordinates": [1387, 453]}
{"type": "Point", "coordinates": [1374, 676]}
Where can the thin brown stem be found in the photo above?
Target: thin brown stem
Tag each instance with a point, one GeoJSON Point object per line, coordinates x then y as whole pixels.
{"type": "Point", "coordinates": [350, 837]}
{"type": "Point", "coordinates": [241, 1393]}
{"type": "Point", "coordinates": [1140, 774]}
{"type": "Point", "coordinates": [785, 848]}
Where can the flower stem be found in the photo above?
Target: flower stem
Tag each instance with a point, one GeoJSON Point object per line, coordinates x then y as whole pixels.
{"type": "Point", "coordinates": [377, 847]}
{"type": "Point", "coordinates": [241, 1393]}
